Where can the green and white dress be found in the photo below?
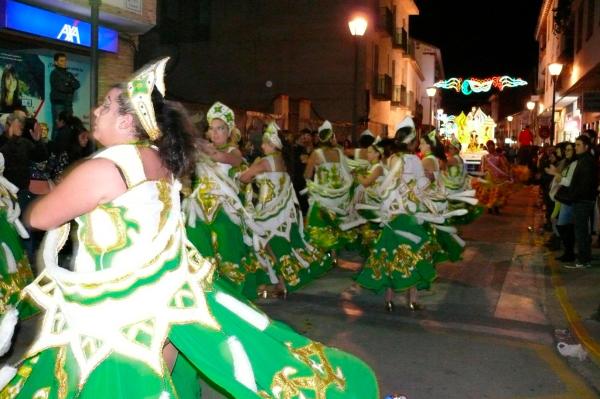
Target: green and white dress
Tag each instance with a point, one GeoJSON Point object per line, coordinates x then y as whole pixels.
{"type": "Point", "coordinates": [363, 215]}
{"type": "Point", "coordinates": [15, 271]}
{"type": "Point", "coordinates": [330, 195]}
{"type": "Point", "coordinates": [219, 226]}
{"type": "Point", "coordinates": [137, 282]}
{"type": "Point", "coordinates": [456, 180]}
{"type": "Point", "coordinates": [403, 255]}
{"type": "Point", "coordinates": [277, 213]}
{"type": "Point", "coordinates": [448, 207]}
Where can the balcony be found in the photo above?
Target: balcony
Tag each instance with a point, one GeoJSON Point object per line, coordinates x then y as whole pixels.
{"type": "Point", "coordinates": [399, 96]}
{"type": "Point", "coordinates": [400, 39]}
{"type": "Point", "coordinates": [382, 87]}
{"type": "Point", "coordinates": [410, 50]}
{"type": "Point", "coordinates": [385, 21]}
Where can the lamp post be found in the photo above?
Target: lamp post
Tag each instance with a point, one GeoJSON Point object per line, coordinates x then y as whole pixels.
{"type": "Point", "coordinates": [430, 93]}
{"type": "Point", "coordinates": [554, 69]}
{"type": "Point", "coordinates": [358, 26]}
{"type": "Point", "coordinates": [530, 107]}
{"type": "Point", "coordinates": [509, 118]}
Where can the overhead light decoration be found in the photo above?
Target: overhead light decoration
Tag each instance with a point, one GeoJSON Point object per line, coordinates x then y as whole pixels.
{"type": "Point", "coordinates": [475, 85]}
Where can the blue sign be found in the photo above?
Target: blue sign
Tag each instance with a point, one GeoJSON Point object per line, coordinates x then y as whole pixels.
{"type": "Point", "coordinates": [29, 19]}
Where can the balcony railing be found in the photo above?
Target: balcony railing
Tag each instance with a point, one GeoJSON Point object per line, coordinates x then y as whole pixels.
{"type": "Point", "coordinates": [385, 21]}
{"type": "Point", "coordinates": [399, 96]}
{"type": "Point", "coordinates": [410, 51]}
{"type": "Point", "coordinates": [400, 39]}
{"type": "Point", "coordinates": [382, 87]}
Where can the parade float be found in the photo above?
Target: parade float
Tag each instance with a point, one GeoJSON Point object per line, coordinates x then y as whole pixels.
{"type": "Point", "coordinates": [473, 131]}
{"type": "Point", "coordinates": [476, 128]}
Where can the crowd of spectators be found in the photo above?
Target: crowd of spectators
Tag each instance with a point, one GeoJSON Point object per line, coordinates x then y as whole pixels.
{"type": "Point", "coordinates": [34, 162]}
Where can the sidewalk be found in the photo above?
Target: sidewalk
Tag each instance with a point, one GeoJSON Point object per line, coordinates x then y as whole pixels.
{"type": "Point", "coordinates": [578, 293]}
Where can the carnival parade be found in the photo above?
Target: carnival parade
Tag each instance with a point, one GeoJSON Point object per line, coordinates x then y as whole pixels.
{"type": "Point", "coordinates": [209, 200]}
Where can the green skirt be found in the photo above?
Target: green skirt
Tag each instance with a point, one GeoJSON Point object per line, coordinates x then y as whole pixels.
{"type": "Point", "coordinates": [249, 356]}
{"type": "Point", "coordinates": [11, 284]}
{"type": "Point", "coordinates": [397, 262]}
{"type": "Point", "coordinates": [223, 241]}
{"type": "Point", "coordinates": [323, 230]}
{"type": "Point", "coordinates": [292, 256]}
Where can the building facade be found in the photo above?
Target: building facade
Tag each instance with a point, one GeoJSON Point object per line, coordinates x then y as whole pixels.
{"type": "Point", "coordinates": [33, 31]}
{"type": "Point", "coordinates": [429, 59]}
{"type": "Point", "coordinates": [248, 54]}
{"type": "Point", "coordinates": [568, 32]}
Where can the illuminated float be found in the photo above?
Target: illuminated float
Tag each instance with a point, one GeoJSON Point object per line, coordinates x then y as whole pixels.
{"type": "Point", "coordinates": [473, 131]}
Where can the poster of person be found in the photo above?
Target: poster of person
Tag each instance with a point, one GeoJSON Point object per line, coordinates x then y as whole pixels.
{"type": "Point", "coordinates": [25, 81]}
{"type": "Point", "coordinates": [21, 82]}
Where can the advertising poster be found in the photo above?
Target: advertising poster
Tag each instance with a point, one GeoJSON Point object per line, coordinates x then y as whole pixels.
{"type": "Point", "coordinates": [25, 80]}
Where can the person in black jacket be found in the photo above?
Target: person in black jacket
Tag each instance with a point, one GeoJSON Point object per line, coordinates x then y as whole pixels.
{"type": "Point", "coordinates": [583, 193]}
{"type": "Point", "coordinates": [63, 85]}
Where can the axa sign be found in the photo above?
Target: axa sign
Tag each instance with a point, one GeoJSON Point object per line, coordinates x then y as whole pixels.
{"type": "Point", "coordinates": [69, 33]}
{"type": "Point", "coordinates": [25, 18]}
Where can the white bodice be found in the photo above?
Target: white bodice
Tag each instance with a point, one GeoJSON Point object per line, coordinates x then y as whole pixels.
{"type": "Point", "coordinates": [121, 230]}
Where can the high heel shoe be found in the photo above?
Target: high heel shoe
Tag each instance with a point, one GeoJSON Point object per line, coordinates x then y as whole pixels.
{"type": "Point", "coordinates": [414, 306]}
{"type": "Point", "coordinates": [389, 306]}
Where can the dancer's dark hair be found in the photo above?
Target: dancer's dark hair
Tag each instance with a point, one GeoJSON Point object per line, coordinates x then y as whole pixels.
{"type": "Point", "coordinates": [176, 142]}
{"type": "Point", "coordinates": [437, 148]}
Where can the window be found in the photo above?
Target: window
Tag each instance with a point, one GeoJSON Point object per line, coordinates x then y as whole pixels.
{"type": "Point", "coordinates": [393, 72]}
{"type": "Point", "coordinates": [579, 33]}
{"type": "Point", "coordinates": [376, 59]}
{"type": "Point", "coordinates": [590, 18]}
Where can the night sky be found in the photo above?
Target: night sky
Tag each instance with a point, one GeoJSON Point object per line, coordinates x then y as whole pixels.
{"type": "Point", "coordinates": [482, 39]}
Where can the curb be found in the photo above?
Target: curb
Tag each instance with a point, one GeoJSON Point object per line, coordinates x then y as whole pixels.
{"type": "Point", "coordinates": [590, 345]}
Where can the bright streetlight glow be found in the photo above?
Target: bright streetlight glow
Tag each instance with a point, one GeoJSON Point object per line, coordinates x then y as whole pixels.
{"type": "Point", "coordinates": [555, 68]}
{"type": "Point", "coordinates": [530, 105]}
{"type": "Point", "coordinates": [358, 26]}
{"type": "Point", "coordinates": [431, 91]}
{"type": "Point", "coordinates": [509, 118]}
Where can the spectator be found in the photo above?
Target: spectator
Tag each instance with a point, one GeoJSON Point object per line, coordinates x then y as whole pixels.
{"type": "Point", "coordinates": [525, 140]}
{"type": "Point", "coordinates": [63, 85]}
{"type": "Point", "coordinates": [19, 153]}
{"type": "Point", "coordinates": [583, 192]}
{"type": "Point", "coordinates": [10, 98]}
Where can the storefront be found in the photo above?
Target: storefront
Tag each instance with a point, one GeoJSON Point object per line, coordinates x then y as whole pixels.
{"type": "Point", "coordinates": [31, 33]}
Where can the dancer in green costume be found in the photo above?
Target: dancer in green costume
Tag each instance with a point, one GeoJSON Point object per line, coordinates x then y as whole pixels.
{"type": "Point", "coordinates": [277, 212]}
{"type": "Point", "coordinates": [402, 258]}
{"type": "Point", "coordinates": [218, 224]}
{"type": "Point", "coordinates": [330, 193]}
{"type": "Point", "coordinates": [366, 201]}
{"type": "Point", "coordinates": [412, 212]}
{"type": "Point", "coordinates": [15, 271]}
{"type": "Point", "coordinates": [456, 180]}
{"type": "Point", "coordinates": [140, 297]}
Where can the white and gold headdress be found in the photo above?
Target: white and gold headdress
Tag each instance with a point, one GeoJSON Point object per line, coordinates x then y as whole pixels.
{"type": "Point", "coordinates": [270, 135]}
{"type": "Point", "coordinates": [223, 112]}
{"type": "Point", "coordinates": [407, 122]}
{"type": "Point", "coordinates": [328, 131]}
{"type": "Point", "coordinates": [367, 132]}
{"type": "Point", "coordinates": [140, 88]}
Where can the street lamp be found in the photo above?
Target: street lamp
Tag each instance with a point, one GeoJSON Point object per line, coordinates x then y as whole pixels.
{"type": "Point", "coordinates": [430, 93]}
{"type": "Point", "coordinates": [530, 107]}
{"type": "Point", "coordinates": [358, 26]}
{"type": "Point", "coordinates": [509, 118]}
{"type": "Point", "coordinates": [554, 69]}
